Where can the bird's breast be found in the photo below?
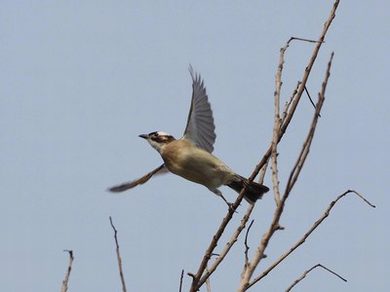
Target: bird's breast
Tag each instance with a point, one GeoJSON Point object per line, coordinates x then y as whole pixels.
{"type": "Point", "coordinates": [195, 164]}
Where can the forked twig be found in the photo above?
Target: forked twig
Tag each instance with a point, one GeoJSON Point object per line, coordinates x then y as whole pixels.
{"type": "Point", "coordinates": [196, 278]}
{"type": "Point", "coordinates": [306, 146]}
{"type": "Point", "coordinates": [250, 268]}
{"type": "Point", "coordinates": [201, 276]}
{"type": "Point", "coordinates": [307, 234]}
{"type": "Point", "coordinates": [227, 246]}
{"type": "Point", "coordinates": [65, 282]}
{"type": "Point", "coordinates": [311, 269]}
{"type": "Point", "coordinates": [118, 255]}
{"type": "Point", "coordinates": [293, 103]}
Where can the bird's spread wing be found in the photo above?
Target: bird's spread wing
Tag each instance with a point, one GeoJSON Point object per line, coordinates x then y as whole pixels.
{"type": "Point", "coordinates": [200, 124]}
{"type": "Point", "coordinates": [131, 184]}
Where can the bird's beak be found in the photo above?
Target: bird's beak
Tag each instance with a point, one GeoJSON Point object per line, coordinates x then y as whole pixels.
{"type": "Point", "coordinates": [145, 136]}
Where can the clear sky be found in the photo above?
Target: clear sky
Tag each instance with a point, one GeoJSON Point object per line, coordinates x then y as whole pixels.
{"type": "Point", "coordinates": [79, 80]}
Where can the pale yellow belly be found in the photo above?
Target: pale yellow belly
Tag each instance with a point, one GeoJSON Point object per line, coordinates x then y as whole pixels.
{"type": "Point", "coordinates": [200, 167]}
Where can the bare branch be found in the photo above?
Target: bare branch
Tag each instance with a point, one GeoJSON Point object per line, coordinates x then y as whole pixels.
{"type": "Point", "coordinates": [261, 166]}
{"type": "Point", "coordinates": [262, 172]}
{"type": "Point", "coordinates": [227, 246]}
{"type": "Point", "coordinates": [198, 279]}
{"type": "Point", "coordinates": [277, 124]}
{"type": "Point", "coordinates": [311, 269]}
{"type": "Point", "coordinates": [181, 281]}
{"type": "Point", "coordinates": [65, 282]}
{"type": "Point", "coordinates": [208, 284]}
{"type": "Point", "coordinates": [307, 234]}
{"type": "Point", "coordinates": [288, 103]}
{"type": "Point", "coordinates": [118, 255]}
{"type": "Point", "coordinates": [250, 268]}
{"type": "Point", "coordinates": [213, 244]}
{"type": "Point", "coordinates": [306, 146]}
{"type": "Point", "coordinates": [284, 125]}
{"type": "Point", "coordinates": [292, 105]}
{"type": "Point", "coordinates": [308, 68]}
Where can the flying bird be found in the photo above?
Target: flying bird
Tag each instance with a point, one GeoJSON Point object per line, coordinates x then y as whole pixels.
{"type": "Point", "coordinates": [191, 156]}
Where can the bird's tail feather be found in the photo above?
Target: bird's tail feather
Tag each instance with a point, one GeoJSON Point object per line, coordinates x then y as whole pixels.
{"type": "Point", "coordinates": [253, 192]}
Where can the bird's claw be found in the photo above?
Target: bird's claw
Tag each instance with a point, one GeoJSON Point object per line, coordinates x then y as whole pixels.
{"type": "Point", "coordinates": [231, 207]}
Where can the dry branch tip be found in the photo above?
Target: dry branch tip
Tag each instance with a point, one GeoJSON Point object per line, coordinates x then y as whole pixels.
{"type": "Point", "coordinates": [311, 269]}
{"type": "Point", "coordinates": [363, 198]}
{"type": "Point", "coordinates": [118, 256]}
{"type": "Point", "coordinates": [65, 282]}
{"type": "Point", "coordinates": [181, 280]}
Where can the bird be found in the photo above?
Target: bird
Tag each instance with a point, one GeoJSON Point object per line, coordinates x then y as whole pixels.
{"type": "Point", "coordinates": [191, 156]}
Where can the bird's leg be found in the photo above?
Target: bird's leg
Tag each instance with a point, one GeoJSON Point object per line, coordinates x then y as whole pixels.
{"type": "Point", "coordinates": [219, 194]}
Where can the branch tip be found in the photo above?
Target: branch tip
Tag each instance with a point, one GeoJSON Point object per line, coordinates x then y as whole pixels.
{"type": "Point", "coordinates": [181, 280]}
{"type": "Point", "coordinates": [363, 198]}
{"type": "Point", "coordinates": [311, 269]}
{"type": "Point", "coordinates": [65, 282]}
{"type": "Point", "coordinates": [118, 256]}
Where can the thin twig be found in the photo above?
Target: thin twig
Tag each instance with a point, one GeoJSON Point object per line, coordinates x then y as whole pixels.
{"type": "Point", "coordinates": [181, 280]}
{"type": "Point", "coordinates": [118, 255]}
{"type": "Point", "coordinates": [65, 282]}
{"type": "Point", "coordinates": [363, 198]}
{"type": "Point", "coordinates": [311, 269]}
{"type": "Point", "coordinates": [305, 40]}
{"type": "Point", "coordinates": [246, 243]}
{"type": "Point", "coordinates": [311, 100]}
{"type": "Point", "coordinates": [307, 234]}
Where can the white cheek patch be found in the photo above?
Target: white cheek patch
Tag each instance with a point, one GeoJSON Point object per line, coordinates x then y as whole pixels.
{"type": "Point", "coordinates": [155, 145]}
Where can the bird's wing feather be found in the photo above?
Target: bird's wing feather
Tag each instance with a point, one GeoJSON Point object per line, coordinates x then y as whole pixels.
{"type": "Point", "coordinates": [131, 184]}
{"type": "Point", "coordinates": [200, 123]}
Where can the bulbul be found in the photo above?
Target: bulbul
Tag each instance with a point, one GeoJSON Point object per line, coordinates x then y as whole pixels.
{"type": "Point", "coordinates": [191, 156]}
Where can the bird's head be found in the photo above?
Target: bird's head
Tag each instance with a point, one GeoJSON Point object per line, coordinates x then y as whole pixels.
{"type": "Point", "coordinates": [158, 139]}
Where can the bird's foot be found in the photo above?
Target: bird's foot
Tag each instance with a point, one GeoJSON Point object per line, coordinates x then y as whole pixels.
{"type": "Point", "coordinates": [230, 205]}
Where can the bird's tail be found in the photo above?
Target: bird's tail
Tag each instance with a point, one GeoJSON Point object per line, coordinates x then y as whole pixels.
{"type": "Point", "coordinates": [253, 192]}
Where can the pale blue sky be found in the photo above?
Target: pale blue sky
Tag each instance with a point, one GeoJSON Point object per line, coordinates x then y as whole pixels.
{"type": "Point", "coordinates": [81, 79]}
